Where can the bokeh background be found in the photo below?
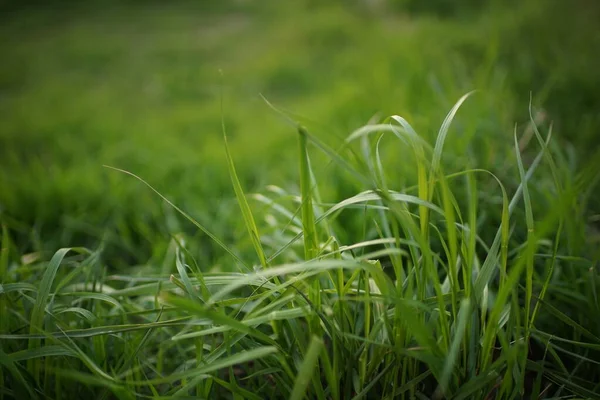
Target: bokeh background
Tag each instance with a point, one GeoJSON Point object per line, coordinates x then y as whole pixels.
{"type": "Point", "coordinates": [138, 85]}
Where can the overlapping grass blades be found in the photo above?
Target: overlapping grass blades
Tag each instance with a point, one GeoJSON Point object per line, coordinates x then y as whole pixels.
{"type": "Point", "coordinates": [446, 295]}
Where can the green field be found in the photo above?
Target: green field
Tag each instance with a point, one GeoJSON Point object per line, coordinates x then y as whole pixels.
{"type": "Point", "coordinates": [367, 232]}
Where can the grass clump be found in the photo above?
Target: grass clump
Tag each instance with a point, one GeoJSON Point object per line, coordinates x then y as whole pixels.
{"type": "Point", "coordinates": [454, 290]}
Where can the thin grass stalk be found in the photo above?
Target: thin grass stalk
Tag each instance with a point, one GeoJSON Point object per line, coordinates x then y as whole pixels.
{"type": "Point", "coordinates": [364, 357]}
{"type": "Point", "coordinates": [529, 255]}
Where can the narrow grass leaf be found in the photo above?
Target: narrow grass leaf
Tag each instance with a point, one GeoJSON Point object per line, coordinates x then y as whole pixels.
{"type": "Point", "coordinates": [439, 144]}
{"type": "Point", "coordinates": [243, 203]}
{"type": "Point", "coordinates": [487, 270]}
{"type": "Point", "coordinates": [186, 216]}
{"type": "Point", "coordinates": [214, 365]}
{"type": "Point", "coordinates": [38, 312]}
{"type": "Point", "coordinates": [305, 373]}
{"type": "Point", "coordinates": [217, 317]}
{"type": "Point", "coordinates": [44, 351]}
{"type": "Point", "coordinates": [311, 244]}
{"type": "Point", "coordinates": [97, 331]}
{"type": "Point", "coordinates": [451, 358]}
{"type": "Point", "coordinates": [22, 387]}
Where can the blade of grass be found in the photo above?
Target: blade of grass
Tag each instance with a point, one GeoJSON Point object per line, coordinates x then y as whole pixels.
{"type": "Point", "coordinates": [214, 365]}
{"type": "Point", "coordinates": [487, 270]}
{"type": "Point", "coordinates": [439, 143]}
{"type": "Point", "coordinates": [311, 246]}
{"type": "Point", "coordinates": [39, 308]}
{"type": "Point", "coordinates": [464, 313]}
{"type": "Point", "coordinates": [186, 216]}
{"type": "Point", "coordinates": [217, 317]}
{"type": "Point", "coordinates": [305, 372]}
{"type": "Point", "coordinates": [22, 388]}
{"type": "Point", "coordinates": [243, 203]}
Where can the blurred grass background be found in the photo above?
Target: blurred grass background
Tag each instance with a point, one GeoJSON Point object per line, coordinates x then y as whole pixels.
{"type": "Point", "coordinates": [137, 85]}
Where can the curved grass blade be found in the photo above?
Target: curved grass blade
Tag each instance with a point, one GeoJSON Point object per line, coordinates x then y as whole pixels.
{"type": "Point", "coordinates": [243, 203]}
{"type": "Point", "coordinates": [45, 351]}
{"type": "Point", "coordinates": [218, 317]}
{"type": "Point", "coordinates": [439, 143]}
{"type": "Point", "coordinates": [488, 269]}
{"type": "Point", "coordinates": [214, 365]}
{"type": "Point", "coordinates": [187, 216]}
{"type": "Point", "coordinates": [98, 331]}
{"type": "Point", "coordinates": [364, 197]}
{"type": "Point", "coordinates": [38, 312]}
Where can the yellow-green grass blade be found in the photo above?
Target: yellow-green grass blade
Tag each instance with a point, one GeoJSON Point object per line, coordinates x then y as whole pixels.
{"type": "Point", "coordinates": [439, 143]}
{"type": "Point", "coordinates": [487, 270]}
{"type": "Point", "coordinates": [244, 207]}
{"type": "Point", "coordinates": [311, 245]}
{"type": "Point", "coordinates": [422, 183]}
{"type": "Point", "coordinates": [362, 198]}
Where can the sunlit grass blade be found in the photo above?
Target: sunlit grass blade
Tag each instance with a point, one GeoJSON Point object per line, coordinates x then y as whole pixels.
{"type": "Point", "coordinates": [488, 269]}
{"type": "Point", "coordinates": [439, 143]}
{"type": "Point", "coordinates": [311, 244]}
{"type": "Point", "coordinates": [87, 360]}
{"type": "Point", "coordinates": [244, 207]}
{"type": "Point", "coordinates": [421, 161]}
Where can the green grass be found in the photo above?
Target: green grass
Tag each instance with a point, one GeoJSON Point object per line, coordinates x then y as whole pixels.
{"type": "Point", "coordinates": [431, 311]}
{"type": "Point", "coordinates": [138, 87]}
{"type": "Point", "coordinates": [237, 249]}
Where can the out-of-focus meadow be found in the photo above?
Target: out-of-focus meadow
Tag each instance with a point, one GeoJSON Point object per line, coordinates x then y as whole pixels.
{"type": "Point", "coordinates": [139, 85]}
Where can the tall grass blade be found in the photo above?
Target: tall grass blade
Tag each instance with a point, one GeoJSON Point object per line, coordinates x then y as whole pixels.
{"type": "Point", "coordinates": [439, 143]}
{"type": "Point", "coordinates": [464, 314]}
{"type": "Point", "coordinates": [243, 203]}
{"type": "Point", "coordinates": [311, 245]}
{"type": "Point", "coordinates": [305, 372]}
